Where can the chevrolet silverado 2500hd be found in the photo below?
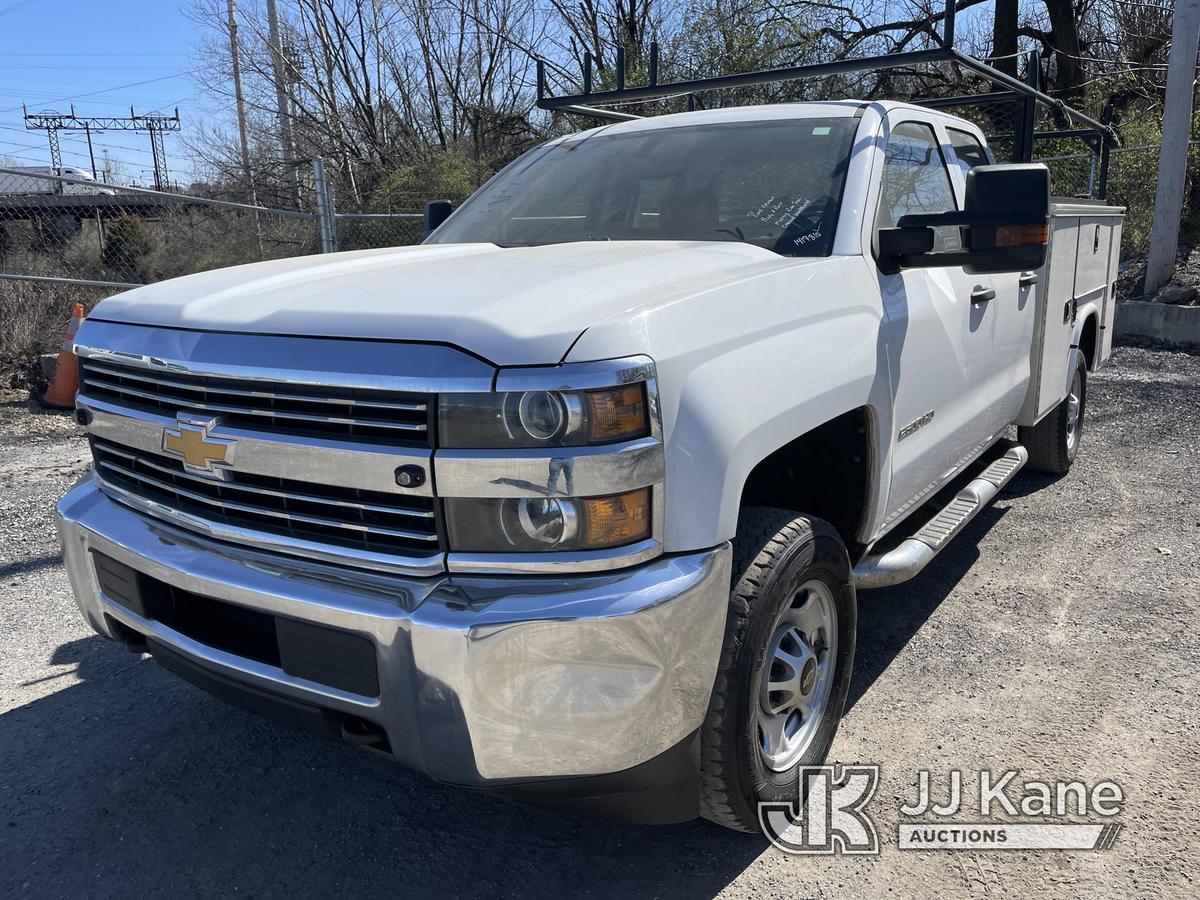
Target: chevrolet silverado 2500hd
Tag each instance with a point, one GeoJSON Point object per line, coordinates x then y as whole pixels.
{"type": "Point", "coordinates": [572, 501]}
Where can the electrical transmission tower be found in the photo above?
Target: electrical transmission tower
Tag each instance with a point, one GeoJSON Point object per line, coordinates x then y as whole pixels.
{"type": "Point", "coordinates": [155, 125]}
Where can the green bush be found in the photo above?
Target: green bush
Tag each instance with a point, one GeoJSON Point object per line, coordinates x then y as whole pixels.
{"type": "Point", "coordinates": [130, 249]}
{"type": "Point", "coordinates": [444, 175]}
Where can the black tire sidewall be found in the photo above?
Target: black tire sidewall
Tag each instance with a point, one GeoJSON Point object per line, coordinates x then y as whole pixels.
{"type": "Point", "coordinates": [1069, 454]}
{"type": "Point", "coordinates": [822, 555]}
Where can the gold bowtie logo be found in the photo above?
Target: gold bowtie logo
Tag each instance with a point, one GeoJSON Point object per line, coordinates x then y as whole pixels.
{"type": "Point", "coordinates": [201, 454]}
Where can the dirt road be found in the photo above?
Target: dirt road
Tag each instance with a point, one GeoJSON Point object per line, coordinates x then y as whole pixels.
{"type": "Point", "coordinates": [1057, 636]}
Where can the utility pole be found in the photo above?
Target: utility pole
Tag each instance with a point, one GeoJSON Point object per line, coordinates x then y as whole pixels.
{"type": "Point", "coordinates": [282, 106]}
{"type": "Point", "coordinates": [91, 153]}
{"type": "Point", "coordinates": [241, 102]}
{"type": "Point", "coordinates": [1173, 155]}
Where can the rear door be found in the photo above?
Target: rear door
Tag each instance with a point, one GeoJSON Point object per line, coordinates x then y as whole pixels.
{"type": "Point", "coordinates": [939, 328]}
{"type": "Point", "coordinates": [1012, 312]}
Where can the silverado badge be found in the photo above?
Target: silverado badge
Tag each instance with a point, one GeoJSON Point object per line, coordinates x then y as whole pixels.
{"type": "Point", "coordinates": [202, 454]}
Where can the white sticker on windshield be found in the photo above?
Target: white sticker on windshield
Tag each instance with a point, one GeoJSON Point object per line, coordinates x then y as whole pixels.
{"type": "Point", "coordinates": [821, 129]}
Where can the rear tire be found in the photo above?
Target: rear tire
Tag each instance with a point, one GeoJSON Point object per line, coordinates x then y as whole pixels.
{"type": "Point", "coordinates": [1053, 443]}
{"type": "Point", "coordinates": [793, 602]}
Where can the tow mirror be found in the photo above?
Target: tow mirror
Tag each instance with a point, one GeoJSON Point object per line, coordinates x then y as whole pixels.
{"type": "Point", "coordinates": [1005, 226]}
{"type": "Point", "coordinates": [436, 212]}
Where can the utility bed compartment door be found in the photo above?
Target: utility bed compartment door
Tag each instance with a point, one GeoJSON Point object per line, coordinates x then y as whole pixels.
{"type": "Point", "coordinates": [1053, 322]}
{"type": "Point", "coordinates": [1105, 338]}
{"type": "Point", "coordinates": [1096, 258]}
{"type": "Point", "coordinates": [1081, 266]}
{"type": "Point", "coordinates": [1091, 255]}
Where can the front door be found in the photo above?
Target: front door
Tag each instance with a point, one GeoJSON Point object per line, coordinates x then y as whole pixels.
{"type": "Point", "coordinates": [940, 329]}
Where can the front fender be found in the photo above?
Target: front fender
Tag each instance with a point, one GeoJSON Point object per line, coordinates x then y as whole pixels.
{"type": "Point", "coordinates": [745, 368]}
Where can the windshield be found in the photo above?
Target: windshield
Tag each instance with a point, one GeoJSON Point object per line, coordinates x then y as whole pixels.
{"type": "Point", "coordinates": [775, 184]}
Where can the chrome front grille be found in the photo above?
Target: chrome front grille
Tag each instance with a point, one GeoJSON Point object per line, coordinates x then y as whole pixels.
{"type": "Point", "coordinates": [370, 521]}
{"type": "Point", "coordinates": [377, 416]}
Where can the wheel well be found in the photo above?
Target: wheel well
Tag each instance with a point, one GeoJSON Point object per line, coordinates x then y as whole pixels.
{"type": "Point", "coordinates": [1087, 342]}
{"type": "Point", "coordinates": [824, 473]}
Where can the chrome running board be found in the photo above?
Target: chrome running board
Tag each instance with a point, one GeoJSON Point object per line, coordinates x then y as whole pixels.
{"type": "Point", "coordinates": [915, 553]}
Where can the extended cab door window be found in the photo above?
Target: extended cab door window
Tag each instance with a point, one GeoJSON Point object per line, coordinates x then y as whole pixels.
{"type": "Point", "coordinates": [968, 152]}
{"type": "Point", "coordinates": [915, 181]}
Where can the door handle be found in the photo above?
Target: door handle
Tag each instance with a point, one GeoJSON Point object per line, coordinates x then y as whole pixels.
{"type": "Point", "coordinates": [1027, 278]}
{"type": "Point", "coordinates": [983, 294]}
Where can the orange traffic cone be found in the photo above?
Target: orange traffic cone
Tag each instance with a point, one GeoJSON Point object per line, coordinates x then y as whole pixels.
{"type": "Point", "coordinates": [65, 381]}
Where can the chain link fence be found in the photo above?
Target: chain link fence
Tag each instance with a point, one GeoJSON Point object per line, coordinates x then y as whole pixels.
{"type": "Point", "coordinates": [67, 240]}
{"type": "Point", "coordinates": [74, 229]}
{"type": "Point", "coordinates": [1132, 177]}
{"type": "Point", "coordinates": [371, 231]}
{"type": "Point", "coordinates": [124, 238]}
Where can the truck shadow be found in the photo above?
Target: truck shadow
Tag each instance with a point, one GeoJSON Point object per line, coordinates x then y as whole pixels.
{"type": "Point", "coordinates": [129, 781]}
{"type": "Point", "coordinates": [888, 618]}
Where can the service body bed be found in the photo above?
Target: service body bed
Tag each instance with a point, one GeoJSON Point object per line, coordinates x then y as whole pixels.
{"type": "Point", "coordinates": [1078, 276]}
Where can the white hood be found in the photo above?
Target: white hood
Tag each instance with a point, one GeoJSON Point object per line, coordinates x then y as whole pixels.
{"type": "Point", "coordinates": [516, 306]}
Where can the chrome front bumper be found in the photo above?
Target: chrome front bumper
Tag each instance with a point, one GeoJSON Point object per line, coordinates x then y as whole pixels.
{"type": "Point", "coordinates": [482, 679]}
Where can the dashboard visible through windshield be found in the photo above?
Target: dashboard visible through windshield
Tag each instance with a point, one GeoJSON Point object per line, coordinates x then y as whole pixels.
{"type": "Point", "coordinates": [774, 184]}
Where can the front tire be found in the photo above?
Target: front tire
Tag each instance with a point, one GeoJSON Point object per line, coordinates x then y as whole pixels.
{"type": "Point", "coordinates": [1053, 443]}
{"type": "Point", "coordinates": [785, 667]}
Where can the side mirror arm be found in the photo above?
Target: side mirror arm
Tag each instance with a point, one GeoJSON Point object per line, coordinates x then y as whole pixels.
{"type": "Point", "coordinates": [903, 246]}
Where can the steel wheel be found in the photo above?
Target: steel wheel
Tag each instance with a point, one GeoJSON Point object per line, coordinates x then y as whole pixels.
{"type": "Point", "coordinates": [785, 667]}
{"type": "Point", "coordinates": [797, 676]}
{"type": "Point", "coordinates": [1074, 405]}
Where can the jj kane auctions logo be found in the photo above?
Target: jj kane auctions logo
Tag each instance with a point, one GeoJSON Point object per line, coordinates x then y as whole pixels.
{"type": "Point", "coordinates": [831, 814]}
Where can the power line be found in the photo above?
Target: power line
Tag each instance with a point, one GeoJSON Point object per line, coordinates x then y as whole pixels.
{"type": "Point", "coordinates": [78, 153]}
{"type": "Point", "coordinates": [14, 7]}
{"type": "Point", "coordinates": [41, 160]}
{"type": "Point", "coordinates": [19, 144]}
{"type": "Point", "coordinates": [30, 99]}
{"type": "Point", "coordinates": [76, 140]}
{"type": "Point", "coordinates": [74, 68]}
{"type": "Point", "coordinates": [97, 53]}
{"type": "Point", "coordinates": [105, 90]}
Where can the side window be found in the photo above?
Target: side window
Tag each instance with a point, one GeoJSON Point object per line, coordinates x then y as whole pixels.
{"type": "Point", "coordinates": [915, 181]}
{"type": "Point", "coordinates": [967, 150]}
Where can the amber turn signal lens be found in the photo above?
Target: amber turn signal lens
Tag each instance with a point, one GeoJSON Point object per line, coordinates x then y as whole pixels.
{"type": "Point", "coordinates": [1022, 235]}
{"type": "Point", "coordinates": [617, 414]}
{"type": "Point", "coordinates": [618, 519]}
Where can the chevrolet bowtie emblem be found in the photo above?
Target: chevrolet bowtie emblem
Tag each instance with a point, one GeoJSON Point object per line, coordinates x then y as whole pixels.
{"type": "Point", "coordinates": [189, 440]}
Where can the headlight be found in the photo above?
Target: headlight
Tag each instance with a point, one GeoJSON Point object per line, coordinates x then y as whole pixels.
{"type": "Point", "coordinates": [543, 418]}
{"type": "Point", "coordinates": [520, 524]}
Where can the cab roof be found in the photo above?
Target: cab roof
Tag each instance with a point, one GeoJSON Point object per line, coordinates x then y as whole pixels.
{"type": "Point", "coordinates": [762, 113]}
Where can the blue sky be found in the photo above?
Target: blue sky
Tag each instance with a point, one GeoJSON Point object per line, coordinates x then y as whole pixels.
{"type": "Point", "coordinates": [102, 56]}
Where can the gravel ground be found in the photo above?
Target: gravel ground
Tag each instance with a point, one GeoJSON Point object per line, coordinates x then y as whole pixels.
{"type": "Point", "coordinates": [1057, 635]}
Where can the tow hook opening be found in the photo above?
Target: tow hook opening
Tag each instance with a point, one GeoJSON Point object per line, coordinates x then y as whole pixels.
{"type": "Point", "coordinates": [131, 640]}
{"type": "Point", "coordinates": [362, 733]}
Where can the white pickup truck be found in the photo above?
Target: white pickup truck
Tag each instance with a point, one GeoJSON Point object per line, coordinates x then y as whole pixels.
{"type": "Point", "coordinates": [571, 502]}
{"type": "Point", "coordinates": [25, 180]}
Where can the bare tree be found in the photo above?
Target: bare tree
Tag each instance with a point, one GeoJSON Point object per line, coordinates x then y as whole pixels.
{"type": "Point", "coordinates": [381, 87]}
